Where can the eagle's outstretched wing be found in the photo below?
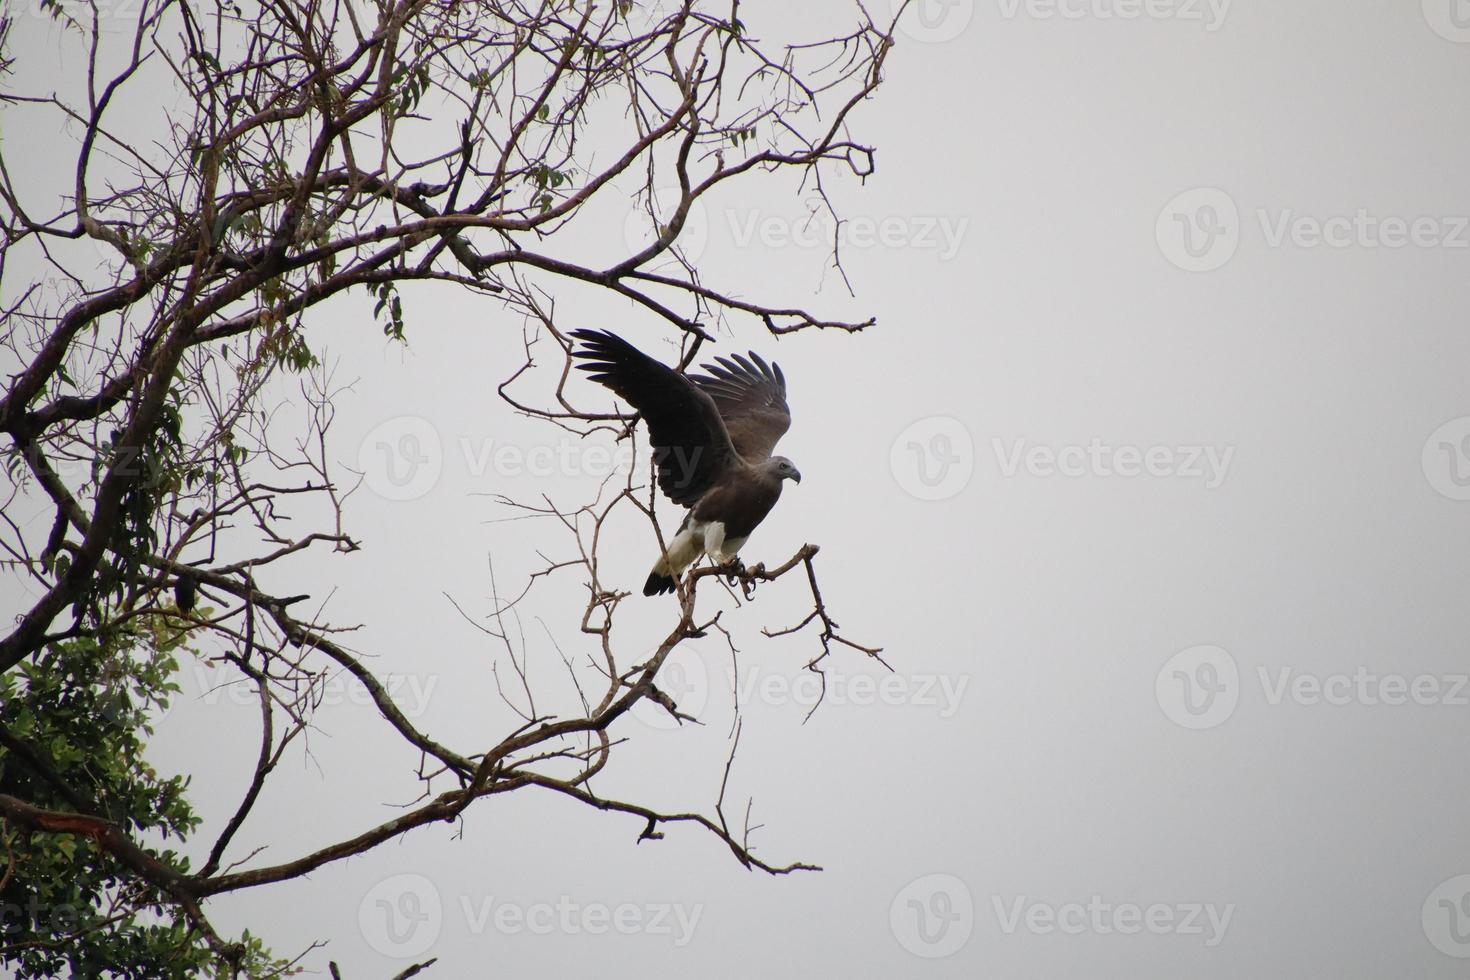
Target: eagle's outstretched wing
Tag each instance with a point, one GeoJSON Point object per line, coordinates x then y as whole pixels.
{"type": "Point", "coordinates": [751, 397]}
{"type": "Point", "coordinates": [691, 445]}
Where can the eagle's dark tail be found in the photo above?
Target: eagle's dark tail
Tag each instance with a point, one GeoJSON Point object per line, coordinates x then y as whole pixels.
{"type": "Point", "coordinates": [658, 584]}
{"type": "Point", "coordinates": [661, 577]}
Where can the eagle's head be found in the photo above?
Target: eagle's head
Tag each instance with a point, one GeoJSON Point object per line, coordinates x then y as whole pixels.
{"type": "Point", "coordinates": [784, 468]}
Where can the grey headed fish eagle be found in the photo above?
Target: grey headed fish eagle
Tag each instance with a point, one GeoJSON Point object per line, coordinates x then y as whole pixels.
{"type": "Point", "coordinates": [712, 437]}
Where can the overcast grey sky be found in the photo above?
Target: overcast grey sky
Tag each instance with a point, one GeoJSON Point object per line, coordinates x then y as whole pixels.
{"type": "Point", "coordinates": [1153, 481]}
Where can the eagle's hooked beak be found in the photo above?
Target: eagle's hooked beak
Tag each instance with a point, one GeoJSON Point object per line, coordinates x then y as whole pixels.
{"type": "Point", "coordinates": [796, 474]}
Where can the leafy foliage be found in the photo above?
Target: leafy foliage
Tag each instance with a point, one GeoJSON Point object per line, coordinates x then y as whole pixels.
{"type": "Point", "coordinates": [75, 723]}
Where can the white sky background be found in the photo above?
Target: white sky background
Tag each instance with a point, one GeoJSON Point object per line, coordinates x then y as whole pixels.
{"type": "Point", "coordinates": [1038, 748]}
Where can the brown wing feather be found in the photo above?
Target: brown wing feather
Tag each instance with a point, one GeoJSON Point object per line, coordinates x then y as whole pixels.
{"type": "Point", "coordinates": [751, 397]}
{"type": "Point", "coordinates": [691, 446]}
